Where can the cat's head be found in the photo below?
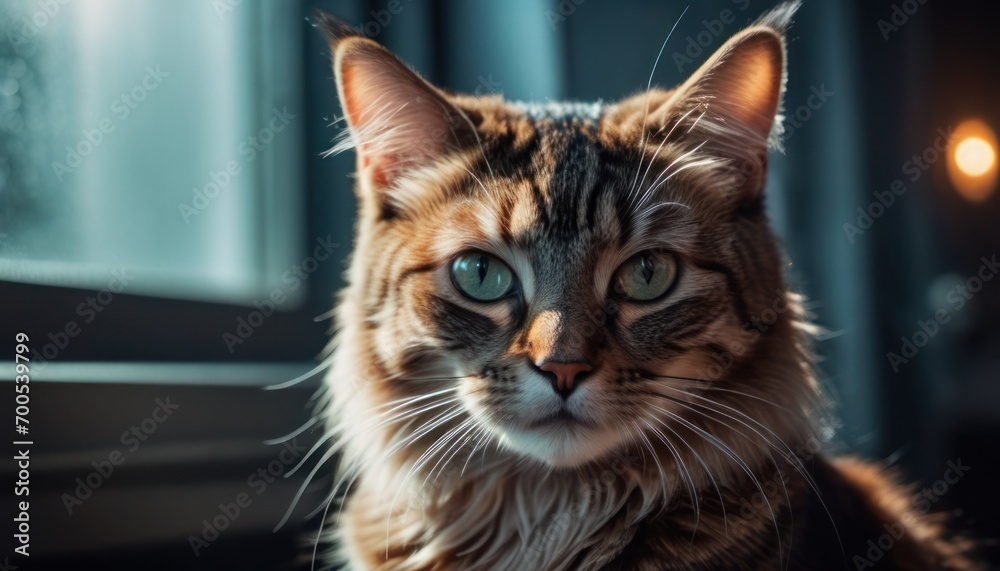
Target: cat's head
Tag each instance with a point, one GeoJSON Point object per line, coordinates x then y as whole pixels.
{"type": "Point", "coordinates": [567, 279]}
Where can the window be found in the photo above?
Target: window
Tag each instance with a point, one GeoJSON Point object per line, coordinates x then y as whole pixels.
{"type": "Point", "coordinates": [167, 155]}
{"type": "Point", "coordinates": [174, 156]}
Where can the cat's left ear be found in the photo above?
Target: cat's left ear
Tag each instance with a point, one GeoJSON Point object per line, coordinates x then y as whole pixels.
{"type": "Point", "coordinates": [731, 105]}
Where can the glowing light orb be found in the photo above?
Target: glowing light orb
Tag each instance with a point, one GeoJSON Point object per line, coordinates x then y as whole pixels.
{"type": "Point", "coordinates": [972, 160]}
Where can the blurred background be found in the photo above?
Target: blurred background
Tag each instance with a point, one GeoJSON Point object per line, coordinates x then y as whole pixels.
{"type": "Point", "coordinates": [170, 239]}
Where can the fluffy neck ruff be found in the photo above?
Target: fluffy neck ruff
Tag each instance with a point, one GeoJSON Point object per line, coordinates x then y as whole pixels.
{"type": "Point", "coordinates": [472, 504]}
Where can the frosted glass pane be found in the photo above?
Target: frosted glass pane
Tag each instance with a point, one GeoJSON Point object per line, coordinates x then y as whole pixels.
{"type": "Point", "coordinates": [136, 134]}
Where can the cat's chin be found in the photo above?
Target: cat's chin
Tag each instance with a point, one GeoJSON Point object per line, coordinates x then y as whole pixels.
{"type": "Point", "coordinates": [561, 445]}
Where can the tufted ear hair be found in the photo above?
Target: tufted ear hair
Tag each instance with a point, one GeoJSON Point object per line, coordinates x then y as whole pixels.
{"type": "Point", "coordinates": [397, 121]}
{"type": "Point", "coordinates": [731, 105]}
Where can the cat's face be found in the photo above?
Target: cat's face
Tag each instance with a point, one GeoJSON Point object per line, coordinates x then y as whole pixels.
{"type": "Point", "coordinates": [564, 280]}
{"type": "Point", "coordinates": [556, 293]}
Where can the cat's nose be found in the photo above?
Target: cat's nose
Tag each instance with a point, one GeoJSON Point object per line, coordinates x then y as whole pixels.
{"type": "Point", "coordinates": [564, 375]}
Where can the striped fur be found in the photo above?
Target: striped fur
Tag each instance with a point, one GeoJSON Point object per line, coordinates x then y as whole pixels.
{"type": "Point", "coordinates": [694, 441]}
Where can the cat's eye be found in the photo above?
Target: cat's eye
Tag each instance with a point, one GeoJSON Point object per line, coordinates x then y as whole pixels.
{"type": "Point", "coordinates": [646, 276]}
{"type": "Point", "coordinates": [481, 276]}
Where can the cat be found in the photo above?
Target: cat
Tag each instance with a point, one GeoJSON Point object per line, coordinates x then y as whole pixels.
{"type": "Point", "coordinates": [567, 341]}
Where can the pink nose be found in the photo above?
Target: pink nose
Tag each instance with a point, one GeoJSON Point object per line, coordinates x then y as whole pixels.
{"type": "Point", "coordinates": [565, 374]}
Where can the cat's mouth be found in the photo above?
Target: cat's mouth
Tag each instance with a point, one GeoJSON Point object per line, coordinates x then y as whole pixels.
{"type": "Point", "coordinates": [562, 418]}
{"type": "Point", "coordinates": [561, 438]}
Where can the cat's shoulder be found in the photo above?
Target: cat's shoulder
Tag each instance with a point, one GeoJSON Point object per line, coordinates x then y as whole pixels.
{"type": "Point", "coordinates": [862, 514]}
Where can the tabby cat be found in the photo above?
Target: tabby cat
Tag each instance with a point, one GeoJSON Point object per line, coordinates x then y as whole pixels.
{"type": "Point", "coordinates": [567, 341]}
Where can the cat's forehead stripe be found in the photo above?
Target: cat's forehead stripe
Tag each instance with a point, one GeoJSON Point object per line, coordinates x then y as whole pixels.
{"type": "Point", "coordinates": [559, 177]}
{"type": "Point", "coordinates": [527, 211]}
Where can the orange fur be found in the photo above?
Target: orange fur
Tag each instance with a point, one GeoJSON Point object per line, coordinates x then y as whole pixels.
{"type": "Point", "coordinates": [688, 435]}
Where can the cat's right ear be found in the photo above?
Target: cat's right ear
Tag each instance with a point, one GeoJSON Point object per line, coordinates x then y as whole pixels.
{"type": "Point", "coordinates": [397, 120]}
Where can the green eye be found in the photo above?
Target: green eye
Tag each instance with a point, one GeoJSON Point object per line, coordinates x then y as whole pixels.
{"type": "Point", "coordinates": [646, 276]}
{"type": "Point", "coordinates": [481, 276]}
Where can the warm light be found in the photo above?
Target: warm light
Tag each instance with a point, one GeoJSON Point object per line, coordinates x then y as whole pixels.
{"type": "Point", "coordinates": [974, 156]}
{"type": "Point", "coordinates": [972, 160]}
